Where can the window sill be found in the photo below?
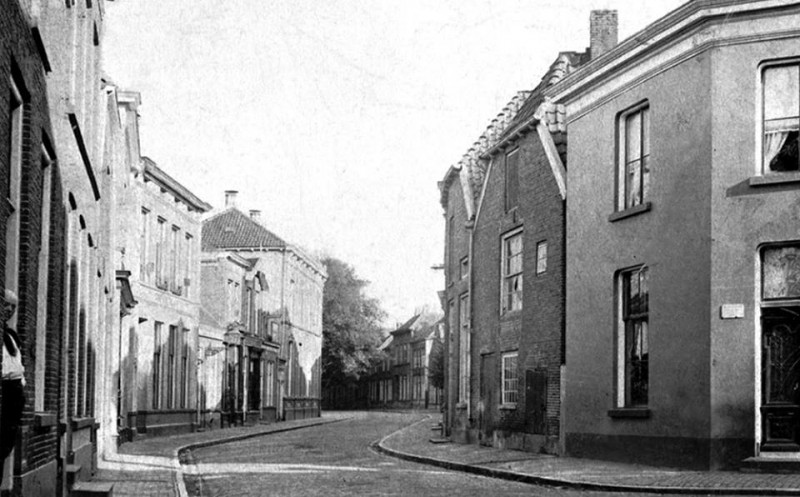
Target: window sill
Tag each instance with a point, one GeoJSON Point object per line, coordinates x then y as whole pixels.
{"type": "Point", "coordinates": [80, 423]}
{"type": "Point", "coordinates": [44, 419]}
{"type": "Point", "coordinates": [629, 413]}
{"type": "Point", "coordinates": [507, 407]}
{"type": "Point", "coordinates": [461, 405]}
{"type": "Point", "coordinates": [633, 211]}
{"type": "Point", "coordinates": [774, 179]}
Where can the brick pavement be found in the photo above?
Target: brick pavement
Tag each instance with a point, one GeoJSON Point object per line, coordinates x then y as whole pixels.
{"type": "Point", "coordinates": [414, 443]}
{"type": "Point", "coordinates": [150, 467]}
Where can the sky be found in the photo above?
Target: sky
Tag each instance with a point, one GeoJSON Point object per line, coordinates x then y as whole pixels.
{"type": "Point", "coordinates": [337, 118]}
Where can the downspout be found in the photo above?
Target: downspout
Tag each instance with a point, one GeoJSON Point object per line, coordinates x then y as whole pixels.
{"type": "Point", "coordinates": [286, 374]}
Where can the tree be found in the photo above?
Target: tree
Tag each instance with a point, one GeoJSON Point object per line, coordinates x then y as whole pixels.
{"type": "Point", "coordinates": [351, 327]}
{"type": "Point", "coordinates": [437, 365]}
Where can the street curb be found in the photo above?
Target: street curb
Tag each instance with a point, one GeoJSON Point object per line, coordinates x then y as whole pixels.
{"type": "Point", "coordinates": [180, 484]}
{"type": "Point", "coordinates": [380, 447]}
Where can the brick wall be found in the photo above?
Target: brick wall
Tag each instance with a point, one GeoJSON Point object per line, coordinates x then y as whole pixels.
{"type": "Point", "coordinates": [457, 241]}
{"type": "Point", "coordinates": [38, 445]}
{"type": "Point", "coordinates": [536, 331]}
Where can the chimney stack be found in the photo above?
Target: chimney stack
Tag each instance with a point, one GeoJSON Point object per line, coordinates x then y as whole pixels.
{"type": "Point", "coordinates": [602, 32]}
{"type": "Point", "coordinates": [255, 215]}
{"type": "Point", "coordinates": [230, 198]}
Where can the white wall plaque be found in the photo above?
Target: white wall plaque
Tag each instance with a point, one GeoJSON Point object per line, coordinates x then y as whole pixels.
{"type": "Point", "coordinates": [731, 311]}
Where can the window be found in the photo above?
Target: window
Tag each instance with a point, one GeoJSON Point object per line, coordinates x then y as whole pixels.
{"type": "Point", "coordinates": [450, 249]}
{"type": "Point", "coordinates": [171, 364]}
{"type": "Point", "coordinates": [781, 100]}
{"type": "Point", "coordinates": [781, 273]}
{"type": "Point", "coordinates": [41, 309]}
{"type": "Point", "coordinates": [14, 174]}
{"type": "Point", "coordinates": [510, 379]}
{"type": "Point", "coordinates": [511, 290]}
{"type": "Point", "coordinates": [633, 339]}
{"type": "Point", "coordinates": [463, 350]}
{"type": "Point", "coordinates": [512, 179]}
{"type": "Point", "coordinates": [634, 158]}
{"type": "Point", "coordinates": [161, 249]}
{"type": "Point", "coordinates": [157, 365]}
{"type": "Point", "coordinates": [144, 234]}
{"type": "Point", "coordinates": [541, 257]}
{"type": "Point", "coordinates": [187, 264]}
{"type": "Point", "coordinates": [464, 267]}
{"type": "Point", "coordinates": [173, 260]}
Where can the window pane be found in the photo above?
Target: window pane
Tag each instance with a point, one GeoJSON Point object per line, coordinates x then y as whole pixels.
{"type": "Point", "coordinates": [645, 132]}
{"type": "Point", "coordinates": [781, 268]}
{"type": "Point", "coordinates": [781, 93]}
{"type": "Point", "coordinates": [633, 136]}
{"type": "Point", "coordinates": [541, 257]}
{"type": "Point", "coordinates": [633, 194]}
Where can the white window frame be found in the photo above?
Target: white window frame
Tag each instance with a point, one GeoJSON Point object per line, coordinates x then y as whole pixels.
{"type": "Point", "coordinates": [623, 390]}
{"type": "Point", "coordinates": [643, 110]}
{"type": "Point", "coordinates": [506, 276]}
{"type": "Point", "coordinates": [541, 257]}
{"type": "Point", "coordinates": [762, 167]}
{"type": "Point", "coordinates": [509, 385]}
{"type": "Point", "coordinates": [464, 348]}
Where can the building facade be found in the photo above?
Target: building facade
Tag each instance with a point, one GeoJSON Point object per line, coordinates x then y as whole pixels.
{"type": "Point", "coordinates": [682, 240]}
{"type": "Point", "coordinates": [504, 274]}
{"type": "Point", "coordinates": [33, 245]}
{"type": "Point", "coordinates": [402, 379]}
{"type": "Point", "coordinates": [158, 225]}
{"type": "Point", "coordinates": [62, 148]}
{"type": "Point", "coordinates": [292, 307]}
{"type": "Point", "coordinates": [239, 354]}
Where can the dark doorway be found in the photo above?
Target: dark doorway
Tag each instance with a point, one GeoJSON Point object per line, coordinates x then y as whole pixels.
{"type": "Point", "coordinates": [254, 380]}
{"type": "Point", "coordinates": [780, 378]}
{"type": "Point", "coordinates": [536, 400]}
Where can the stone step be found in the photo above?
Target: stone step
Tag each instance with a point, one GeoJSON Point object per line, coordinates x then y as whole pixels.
{"type": "Point", "coordinates": [92, 489]}
{"type": "Point", "coordinates": [771, 464]}
{"type": "Point", "coordinates": [73, 470]}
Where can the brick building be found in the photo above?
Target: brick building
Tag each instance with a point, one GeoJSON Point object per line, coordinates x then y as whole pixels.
{"type": "Point", "coordinates": [158, 227]}
{"type": "Point", "coordinates": [403, 378]}
{"type": "Point", "coordinates": [57, 233]}
{"type": "Point", "coordinates": [504, 269]}
{"type": "Point", "coordinates": [238, 346]}
{"type": "Point", "coordinates": [682, 240]}
{"type": "Point", "coordinates": [293, 306]}
{"type": "Point", "coordinates": [32, 250]}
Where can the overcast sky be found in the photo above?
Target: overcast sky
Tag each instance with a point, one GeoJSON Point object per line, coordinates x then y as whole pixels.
{"type": "Point", "coordinates": [336, 118]}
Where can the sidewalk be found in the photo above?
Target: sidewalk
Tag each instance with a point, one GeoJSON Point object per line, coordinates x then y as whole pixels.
{"type": "Point", "coordinates": [414, 443]}
{"type": "Point", "coordinates": [150, 467]}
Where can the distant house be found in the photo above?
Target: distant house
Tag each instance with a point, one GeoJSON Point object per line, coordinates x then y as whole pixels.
{"type": "Point", "coordinates": [238, 350]}
{"type": "Point", "coordinates": [403, 378]}
{"type": "Point", "coordinates": [283, 310]}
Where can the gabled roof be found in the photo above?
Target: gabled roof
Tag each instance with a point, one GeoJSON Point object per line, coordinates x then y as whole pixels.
{"type": "Point", "coordinates": [407, 326]}
{"type": "Point", "coordinates": [232, 229]}
{"type": "Point", "coordinates": [154, 173]}
{"type": "Point", "coordinates": [565, 63]}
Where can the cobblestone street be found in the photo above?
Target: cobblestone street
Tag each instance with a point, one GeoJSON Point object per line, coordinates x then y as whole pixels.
{"type": "Point", "coordinates": [335, 459]}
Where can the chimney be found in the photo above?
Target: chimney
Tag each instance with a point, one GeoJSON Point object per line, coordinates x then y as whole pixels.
{"type": "Point", "coordinates": [255, 215]}
{"type": "Point", "coordinates": [230, 198]}
{"type": "Point", "coordinates": [602, 32]}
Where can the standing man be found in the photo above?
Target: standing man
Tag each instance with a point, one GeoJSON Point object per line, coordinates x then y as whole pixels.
{"type": "Point", "coordinates": [13, 382]}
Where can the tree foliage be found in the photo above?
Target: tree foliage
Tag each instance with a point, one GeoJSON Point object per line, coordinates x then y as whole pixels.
{"type": "Point", "coordinates": [350, 325]}
{"type": "Point", "coordinates": [437, 365]}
